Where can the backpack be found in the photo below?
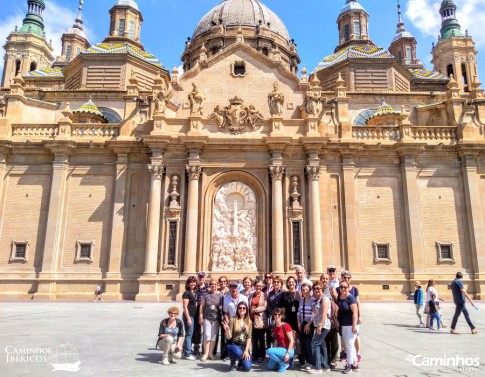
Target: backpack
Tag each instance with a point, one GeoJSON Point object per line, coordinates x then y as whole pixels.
{"type": "Point", "coordinates": [334, 322]}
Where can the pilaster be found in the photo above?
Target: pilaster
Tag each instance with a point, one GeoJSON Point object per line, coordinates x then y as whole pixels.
{"type": "Point", "coordinates": [277, 172]}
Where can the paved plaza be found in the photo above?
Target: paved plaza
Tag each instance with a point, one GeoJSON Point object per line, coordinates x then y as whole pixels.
{"type": "Point", "coordinates": [118, 339]}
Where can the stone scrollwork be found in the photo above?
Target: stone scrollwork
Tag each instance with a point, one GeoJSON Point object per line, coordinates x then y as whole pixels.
{"type": "Point", "coordinates": [234, 236]}
{"type": "Point", "coordinates": [194, 171]}
{"type": "Point", "coordinates": [236, 116]}
{"type": "Point", "coordinates": [313, 172]}
{"type": "Point", "coordinates": [157, 170]}
{"type": "Point", "coordinates": [277, 171]}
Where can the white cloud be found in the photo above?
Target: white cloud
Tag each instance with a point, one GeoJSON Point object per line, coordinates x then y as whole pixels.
{"type": "Point", "coordinates": [424, 14]}
{"type": "Point", "coordinates": [57, 20]}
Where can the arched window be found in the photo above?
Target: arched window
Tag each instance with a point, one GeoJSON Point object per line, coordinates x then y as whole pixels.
{"type": "Point", "coordinates": [33, 66]}
{"type": "Point", "coordinates": [449, 70]}
{"type": "Point", "coordinates": [265, 51]}
{"type": "Point", "coordinates": [362, 117]}
{"type": "Point", "coordinates": [464, 78]}
{"type": "Point", "coordinates": [18, 66]}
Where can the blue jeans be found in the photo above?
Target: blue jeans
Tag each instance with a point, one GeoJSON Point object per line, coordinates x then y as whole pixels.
{"type": "Point", "coordinates": [276, 356]}
{"type": "Point", "coordinates": [432, 317]}
{"type": "Point", "coordinates": [319, 348]}
{"type": "Point", "coordinates": [458, 310]}
{"type": "Point", "coordinates": [189, 330]}
{"type": "Point", "coordinates": [235, 353]}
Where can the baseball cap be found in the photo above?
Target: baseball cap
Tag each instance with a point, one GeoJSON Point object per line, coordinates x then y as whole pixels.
{"type": "Point", "coordinates": [331, 267]}
{"type": "Point", "coordinates": [201, 274]}
{"type": "Point", "coordinates": [233, 283]}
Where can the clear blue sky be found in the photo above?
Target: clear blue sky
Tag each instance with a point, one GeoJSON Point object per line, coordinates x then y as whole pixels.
{"type": "Point", "coordinates": [312, 23]}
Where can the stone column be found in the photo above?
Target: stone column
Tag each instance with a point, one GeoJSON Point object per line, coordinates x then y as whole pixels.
{"type": "Point", "coordinates": [113, 278]}
{"type": "Point", "coordinates": [316, 257]}
{"type": "Point", "coordinates": [50, 260]}
{"type": "Point", "coordinates": [153, 228]}
{"type": "Point", "coordinates": [192, 226]}
{"type": "Point", "coordinates": [412, 216]}
{"type": "Point", "coordinates": [350, 211]}
{"type": "Point", "coordinates": [475, 220]}
{"type": "Point", "coordinates": [277, 172]}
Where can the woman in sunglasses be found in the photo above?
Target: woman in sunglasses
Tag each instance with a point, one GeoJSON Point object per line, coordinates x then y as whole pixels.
{"type": "Point", "coordinates": [348, 317]}
{"type": "Point", "coordinates": [171, 336]}
{"type": "Point", "coordinates": [281, 356]}
{"type": "Point", "coordinates": [238, 334]}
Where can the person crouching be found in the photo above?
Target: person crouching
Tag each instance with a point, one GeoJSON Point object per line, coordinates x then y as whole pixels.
{"type": "Point", "coordinates": [238, 332]}
{"type": "Point", "coordinates": [171, 337]}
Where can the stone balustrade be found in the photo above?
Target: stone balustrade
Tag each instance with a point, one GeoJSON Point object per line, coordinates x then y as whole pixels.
{"type": "Point", "coordinates": [434, 133]}
{"type": "Point", "coordinates": [35, 130]}
{"type": "Point", "coordinates": [375, 133]}
{"type": "Point", "coordinates": [73, 131]}
{"type": "Point", "coordinates": [94, 131]}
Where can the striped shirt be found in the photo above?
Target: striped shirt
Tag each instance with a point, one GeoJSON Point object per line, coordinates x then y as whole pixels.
{"type": "Point", "coordinates": [305, 310]}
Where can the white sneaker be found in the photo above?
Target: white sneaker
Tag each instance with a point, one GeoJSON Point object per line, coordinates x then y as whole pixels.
{"type": "Point", "coordinates": [165, 361]}
{"type": "Point", "coordinates": [190, 357]}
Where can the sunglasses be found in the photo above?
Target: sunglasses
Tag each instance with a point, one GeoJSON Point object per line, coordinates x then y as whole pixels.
{"type": "Point", "coordinates": [173, 313]}
{"type": "Point", "coordinates": [277, 314]}
{"type": "Point", "coordinates": [343, 287]}
{"type": "Point", "coordinates": [346, 277]}
{"type": "Point", "coordinates": [331, 270]}
{"type": "Point", "coordinates": [241, 308]}
{"type": "Point", "coordinates": [317, 289]}
{"type": "Point", "coordinates": [269, 277]}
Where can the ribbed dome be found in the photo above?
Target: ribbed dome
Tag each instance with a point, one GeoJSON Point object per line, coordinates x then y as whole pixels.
{"type": "Point", "coordinates": [241, 12]}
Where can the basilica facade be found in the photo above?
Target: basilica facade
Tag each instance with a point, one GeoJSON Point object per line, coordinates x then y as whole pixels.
{"type": "Point", "coordinates": [114, 169]}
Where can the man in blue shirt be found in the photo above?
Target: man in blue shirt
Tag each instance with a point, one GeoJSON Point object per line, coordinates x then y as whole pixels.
{"type": "Point", "coordinates": [419, 303]}
{"type": "Point", "coordinates": [459, 295]}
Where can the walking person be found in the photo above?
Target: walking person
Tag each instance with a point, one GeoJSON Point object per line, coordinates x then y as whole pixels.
{"type": "Point", "coordinates": [238, 334]}
{"type": "Point", "coordinates": [98, 295]}
{"type": "Point", "coordinates": [257, 313]}
{"type": "Point", "coordinates": [321, 322]}
{"type": "Point", "coordinates": [209, 317]}
{"type": "Point", "coordinates": [189, 302]}
{"type": "Point", "coordinates": [431, 290]}
{"type": "Point", "coordinates": [459, 295]}
{"type": "Point", "coordinates": [305, 327]}
{"type": "Point", "coordinates": [348, 316]}
{"type": "Point", "coordinates": [171, 336]}
{"type": "Point", "coordinates": [434, 314]}
{"type": "Point", "coordinates": [419, 303]}
{"type": "Point", "coordinates": [282, 354]}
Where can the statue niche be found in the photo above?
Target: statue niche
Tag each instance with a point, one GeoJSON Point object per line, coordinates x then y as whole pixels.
{"type": "Point", "coordinates": [234, 236]}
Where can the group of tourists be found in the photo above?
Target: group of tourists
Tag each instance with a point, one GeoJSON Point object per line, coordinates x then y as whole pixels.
{"type": "Point", "coordinates": [431, 307]}
{"type": "Point", "coordinates": [266, 320]}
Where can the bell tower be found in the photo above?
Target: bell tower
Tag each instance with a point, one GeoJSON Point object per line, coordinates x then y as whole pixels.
{"type": "Point", "coordinates": [125, 23]}
{"type": "Point", "coordinates": [455, 52]}
{"type": "Point", "coordinates": [26, 48]}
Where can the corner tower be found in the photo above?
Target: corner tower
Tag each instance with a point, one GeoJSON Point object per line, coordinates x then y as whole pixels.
{"type": "Point", "coordinates": [26, 48]}
{"type": "Point", "coordinates": [353, 25]}
{"type": "Point", "coordinates": [125, 23]}
{"type": "Point", "coordinates": [455, 52]}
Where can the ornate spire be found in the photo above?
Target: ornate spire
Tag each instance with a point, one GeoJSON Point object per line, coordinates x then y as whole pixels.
{"type": "Point", "coordinates": [450, 26]}
{"type": "Point", "coordinates": [33, 21]}
{"type": "Point", "coordinates": [400, 22]}
{"type": "Point", "coordinates": [79, 19]}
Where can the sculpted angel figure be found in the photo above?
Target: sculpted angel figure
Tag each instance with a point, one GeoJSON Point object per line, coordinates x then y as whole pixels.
{"type": "Point", "coordinates": [160, 99]}
{"type": "Point", "coordinates": [218, 115]}
{"type": "Point", "coordinates": [275, 100]}
{"type": "Point", "coordinates": [196, 99]}
{"type": "Point", "coordinates": [253, 116]}
{"type": "Point", "coordinates": [312, 101]}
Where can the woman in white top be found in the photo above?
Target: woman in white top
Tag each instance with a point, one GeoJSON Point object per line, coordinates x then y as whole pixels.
{"type": "Point", "coordinates": [430, 291]}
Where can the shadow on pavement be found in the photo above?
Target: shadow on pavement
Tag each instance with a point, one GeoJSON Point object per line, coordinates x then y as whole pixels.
{"type": "Point", "coordinates": [153, 358]}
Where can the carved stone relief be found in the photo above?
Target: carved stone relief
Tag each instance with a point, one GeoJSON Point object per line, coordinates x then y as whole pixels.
{"type": "Point", "coordinates": [234, 236]}
{"type": "Point", "coordinates": [236, 116]}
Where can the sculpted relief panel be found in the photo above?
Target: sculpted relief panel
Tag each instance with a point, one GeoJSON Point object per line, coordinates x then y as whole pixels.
{"type": "Point", "coordinates": [234, 239]}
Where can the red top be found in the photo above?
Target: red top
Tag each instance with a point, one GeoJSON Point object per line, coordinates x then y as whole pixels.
{"type": "Point", "coordinates": [280, 335]}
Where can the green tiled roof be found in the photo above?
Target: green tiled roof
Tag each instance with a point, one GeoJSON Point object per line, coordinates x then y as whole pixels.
{"type": "Point", "coordinates": [427, 75]}
{"type": "Point", "coordinates": [89, 108]}
{"type": "Point", "coordinates": [123, 48]}
{"type": "Point", "coordinates": [353, 52]}
{"type": "Point", "coordinates": [46, 73]}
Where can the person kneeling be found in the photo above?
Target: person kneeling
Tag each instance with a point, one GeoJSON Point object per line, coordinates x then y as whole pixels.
{"type": "Point", "coordinates": [171, 336]}
{"type": "Point", "coordinates": [238, 334]}
{"type": "Point", "coordinates": [281, 357]}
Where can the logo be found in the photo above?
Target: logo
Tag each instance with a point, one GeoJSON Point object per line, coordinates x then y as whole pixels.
{"type": "Point", "coordinates": [65, 359]}
{"type": "Point", "coordinates": [463, 363]}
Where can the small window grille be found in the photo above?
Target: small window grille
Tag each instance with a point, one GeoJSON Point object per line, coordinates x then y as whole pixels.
{"type": "Point", "coordinates": [68, 52]}
{"type": "Point", "coordinates": [382, 252]}
{"type": "Point", "coordinates": [132, 29]}
{"type": "Point", "coordinates": [357, 29]}
{"type": "Point", "coordinates": [347, 32]}
{"type": "Point", "coordinates": [19, 250]}
{"type": "Point", "coordinates": [121, 27]}
{"type": "Point", "coordinates": [409, 55]}
{"type": "Point", "coordinates": [172, 240]}
{"type": "Point", "coordinates": [84, 251]}
{"type": "Point", "coordinates": [445, 252]}
{"type": "Point", "coordinates": [296, 243]}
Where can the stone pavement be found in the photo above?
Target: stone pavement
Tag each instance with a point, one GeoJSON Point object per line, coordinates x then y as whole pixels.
{"type": "Point", "coordinates": [118, 339]}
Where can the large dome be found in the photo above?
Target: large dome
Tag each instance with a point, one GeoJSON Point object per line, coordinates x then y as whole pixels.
{"type": "Point", "coordinates": [244, 13]}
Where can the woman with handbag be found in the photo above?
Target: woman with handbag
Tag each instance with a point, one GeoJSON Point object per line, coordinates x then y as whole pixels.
{"type": "Point", "coordinates": [171, 336]}
{"type": "Point", "coordinates": [238, 334]}
{"type": "Point", "coordinates": [189, 301]}
{"type": "Point", "coordinates": [257, 312]}
{"type": "Point", "coordinates": [281, 356]}
{"type": "Point", "coordinates": [209, 317]}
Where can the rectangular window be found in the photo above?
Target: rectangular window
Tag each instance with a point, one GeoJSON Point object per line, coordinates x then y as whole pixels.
{"type": "Point", "coordinates": [445, 252]}
{"type": "Point", "coordinates": [296, 243]}
{"type": "Point", "coordinates": [132, 29]}
{"type": "Point", "coordinates": [18, 251]}
{"type": "Point", "coordinates": [121, 27]}
{"type": "Point", "coordinates": [172, 241]}
{"type": "Point", "coordinates": [382, 252]}
{"type": "Point", "coordinates": [347, 32]}
{"type": "Point", "coordinates": [78, 51]}
{"type": "Point", "coordinates": [357, 29]}
{"type": "Point", "coordinates": [84, 251]}
{"type": "Point", "coordinates": [68, 52]}
{"type": "Point", "coordinates": [239, 68]}
{"type": "Point", "coordinates": [112, 28]}
{"type": "Point", "coordinates": [409, 55]}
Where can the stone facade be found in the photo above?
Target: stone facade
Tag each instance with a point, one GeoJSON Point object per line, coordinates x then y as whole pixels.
{"type": "Point", "coordinates": [114, 169]}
